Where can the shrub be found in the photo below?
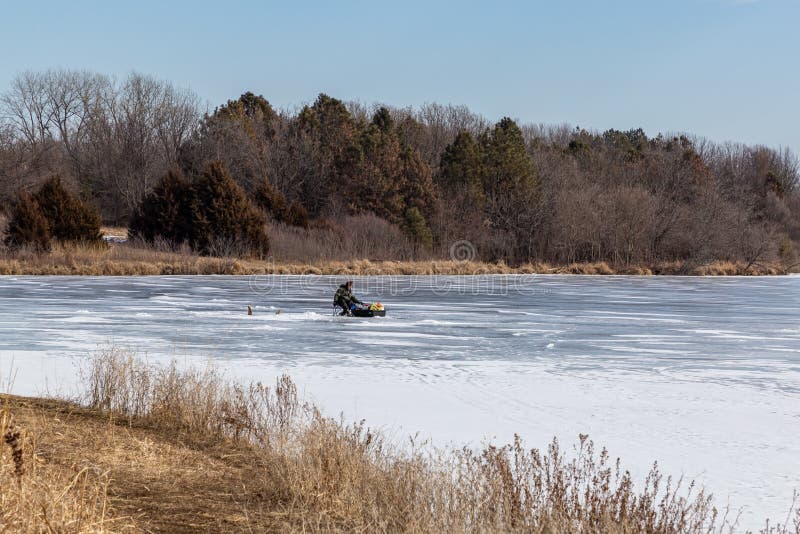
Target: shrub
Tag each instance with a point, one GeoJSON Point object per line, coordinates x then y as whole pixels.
{"type": "Point", "coordinates": [167, 212]}
{"type": "Point", "coordinates": [69, 219]}
{"type": "Point", "coordinates": [343, 239]}
{"type": "Point", "coordinates": [222, 212]}
{"type": "Point", "coordinates": [211, 213]}
{"type": "Point", "coordinates": [28, 225]}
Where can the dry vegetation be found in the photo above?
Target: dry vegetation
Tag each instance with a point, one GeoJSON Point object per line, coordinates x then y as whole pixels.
{"type": "Point", "coordinates": [169, 450]}
{"type": "Point", "coordinates": [127, 259]}
{"type": "Point", "coordinates": [320, 250]}
{"type": "Point", "coordinates": [45, 488]}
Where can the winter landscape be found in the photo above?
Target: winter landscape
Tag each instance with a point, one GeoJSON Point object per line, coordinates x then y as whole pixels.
{"type": "Point", "coordinates": [432, 267]}
{"type": "Point", "coordinates": [700, 374]}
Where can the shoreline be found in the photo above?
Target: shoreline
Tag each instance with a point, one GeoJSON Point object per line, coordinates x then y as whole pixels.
{"type": "Point", "coordinates": [72, 264]}
{"type": "Point", "coordinates": [140, 436]}
{"type": "Point", "coordinates": [119, 258]}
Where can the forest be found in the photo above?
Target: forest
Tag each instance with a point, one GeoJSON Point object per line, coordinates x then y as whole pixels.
{"type": "Point", "coordinates": [332, 179]}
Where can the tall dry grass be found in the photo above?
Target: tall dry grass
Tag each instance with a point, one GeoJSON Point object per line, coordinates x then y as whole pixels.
{"type": "Point", "coordinates": [39, 496]}
{"type": "Point", "coordinates": [357, 245]}
{"type": "Point", "coordinates": [314, 472]}
{"type": "Point", "coordinates": [162, 259]}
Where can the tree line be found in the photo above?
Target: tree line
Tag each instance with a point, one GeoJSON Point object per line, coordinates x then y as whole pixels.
{"type": "Point", "coordinates": [143, 153]}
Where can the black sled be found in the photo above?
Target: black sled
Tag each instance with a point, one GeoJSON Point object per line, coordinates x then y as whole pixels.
{"type": "Point", "coordinates": [366, 312]}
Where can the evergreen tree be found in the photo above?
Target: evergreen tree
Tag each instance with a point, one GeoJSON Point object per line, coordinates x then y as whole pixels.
{"type": "Point", "coordinates": [461, 167]}
{"type": "Point", "coordinates": [210, 213]}
{"type": "Point", "coordinates": [239, 134]}
{"type": "Point", "coordinates": [167, 212]}
{"type": "Point", "coordinates": [68, 218]}
{"type": "Point", "coordinates": [630, 145]}
{"type": "Point", "coordinates": [251, 113]}
{"type": "Point", "coordinates": [417, 229]}
{"type": "Point", "coordinates": [509, 178]}
{"type": "Point", "coordinates": [417, 186]}
{"type": "Point", "coordinates": [390, 178]}
{"type": "Point", "coordinates": [376, 185]}
{"type": "Point", "coordinates": [506, 161]}
{"type": "Point", "coordinates": [326, 140]}
{"type": "Point", "coordinates": [510, 188]}
{"type": "Point", "coordinates": [269, 199]}
{"type": "Point", "coordinates": [382, 119]}
{"type": "Point", "coordinates": [253, 107]}
{"type": "Point", "coordinates": [223, 214]}
{"type": "Point", "coordinates": [332, 122]}
{"type": "Point", "coordinates": [275, 205]}
{"type": "Point", "coordinates": [28, 225]}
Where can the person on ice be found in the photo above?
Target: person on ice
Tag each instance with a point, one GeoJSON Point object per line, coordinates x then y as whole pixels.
{"type": "Point", "coordinates": [345, 299]}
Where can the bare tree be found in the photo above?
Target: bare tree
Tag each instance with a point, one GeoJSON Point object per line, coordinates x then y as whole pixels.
{"type": "Point", "coordinates": [26, 106]}
{"type": "Point", "coordinates": [115, 139]}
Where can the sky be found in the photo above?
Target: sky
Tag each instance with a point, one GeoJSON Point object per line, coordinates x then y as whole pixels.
{"type": "Point", "coordinates": [722, 69]}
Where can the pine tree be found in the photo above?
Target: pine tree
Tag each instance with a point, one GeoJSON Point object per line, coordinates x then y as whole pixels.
{"type": "Point", "coordinates": [461, 166]}
{"type": "Point", "coordinates": [167, 212]}
{"type": "Point", "coordinates": [382, 119]}
{"type": "Point", "coordinates": [28, 225]}
{"type": "Point", "coordinates": [269, 199]}
{"type": "Point", "coordinates": [417, 186]}
{"type": "Point", "coordinates": [211, 213]}
{"type": "Point", "coordinates": [510, 189]}
{"type": "Point", "coordinates": [376, 185]}
{"type": "Point", "coordinates": [223, 214]}
{"type": "Point", "coordinates": [417, 229]}
{"type": "Point", "coordinates": [69, 219]}
{"type": "Point", "coordinates": [506, 161]}
{"type": "Point", "coordinates": [509, 178]}
{"type": "Point", "coordinates": [461, 184]}
{"type": "Point", "coordinates": [326, 138]}
{"type": "Point", "coordinates": [250, 105]}
{"type": "Point", "coordinates": [251, 112]}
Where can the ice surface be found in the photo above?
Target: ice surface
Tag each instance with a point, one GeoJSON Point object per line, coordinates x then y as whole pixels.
{"type": "Point", "coordinates": [701, 374]}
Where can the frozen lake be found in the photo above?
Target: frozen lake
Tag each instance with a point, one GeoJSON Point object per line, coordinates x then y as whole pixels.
{"type": "Point", "coordinates": [701, 374]}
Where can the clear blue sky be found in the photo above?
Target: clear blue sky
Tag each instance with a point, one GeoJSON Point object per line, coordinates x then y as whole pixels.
{"type": "Point", "coordinates": [725, 69]}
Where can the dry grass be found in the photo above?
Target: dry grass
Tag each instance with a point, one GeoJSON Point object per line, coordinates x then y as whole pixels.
{"type": "Point", "coordinates": [41, 495]}
{"type": "Point", "coordinates": [188, 451]}
{"type": "Point", "coordinates": [160, 449]}
{"type": "Point", "coordinates": [126, 259]}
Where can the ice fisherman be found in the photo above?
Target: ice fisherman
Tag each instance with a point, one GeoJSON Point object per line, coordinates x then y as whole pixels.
{"type": "Point", "coordinates": [345, 299]}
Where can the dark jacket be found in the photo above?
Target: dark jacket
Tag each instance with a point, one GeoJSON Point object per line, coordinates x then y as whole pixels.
{"type": "Point", "coordinates": [344, 297]}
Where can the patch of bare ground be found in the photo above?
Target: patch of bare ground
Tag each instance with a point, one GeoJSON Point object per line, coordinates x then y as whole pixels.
{"type": "Point", "coordinates": [145, 480]}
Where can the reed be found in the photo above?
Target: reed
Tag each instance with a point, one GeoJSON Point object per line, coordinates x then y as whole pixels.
{"type": "Point", "coordinates": [131, 259]}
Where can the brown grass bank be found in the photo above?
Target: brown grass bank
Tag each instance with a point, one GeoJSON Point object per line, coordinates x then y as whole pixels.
{"type": "Point", "coordinates": [122, 259]}
{"type": "Point", "coordinates": [48, 481]}
{"type": "Point", "coordinates": [158, 449]}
